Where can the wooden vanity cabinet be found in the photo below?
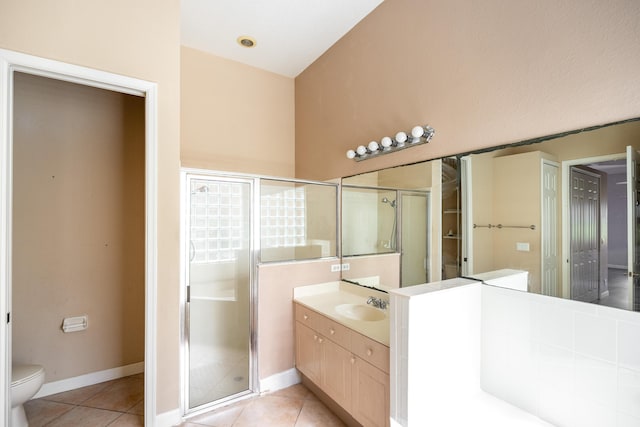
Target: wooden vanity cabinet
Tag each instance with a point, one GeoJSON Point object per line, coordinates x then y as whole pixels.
{"type": "Point", "coordinates": [350, 368]}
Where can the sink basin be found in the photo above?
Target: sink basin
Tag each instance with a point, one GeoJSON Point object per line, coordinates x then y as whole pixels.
{"type": "Point", "coordinates": [360, 312]}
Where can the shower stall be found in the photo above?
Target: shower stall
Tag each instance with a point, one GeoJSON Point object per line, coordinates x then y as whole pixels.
{"type": "Point", "coordinates": [379, 221]}
{"type": "Point", "coordinates": [231, 224]}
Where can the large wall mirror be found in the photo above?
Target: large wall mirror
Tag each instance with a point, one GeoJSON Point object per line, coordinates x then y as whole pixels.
{"type": "Point", "coordinates": [564, 208]}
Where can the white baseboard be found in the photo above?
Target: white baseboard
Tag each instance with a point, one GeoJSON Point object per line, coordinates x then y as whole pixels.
{"type": "Point", "coordinates": [617, 267]}
{"type": "Point", "coordinates": [89, 379]}
{"type": "Point", "coordinates": [168, 419]}
{"type": "Point", "coordinates": [280, 380]}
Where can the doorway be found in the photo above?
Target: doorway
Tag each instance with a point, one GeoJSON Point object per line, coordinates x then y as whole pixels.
{"type": "Point", "coordinates": [612, 242]}
{"type": "Point", "coordinates": [11, 63]}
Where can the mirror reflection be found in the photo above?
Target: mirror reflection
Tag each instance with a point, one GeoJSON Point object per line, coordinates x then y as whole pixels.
{"type": "Point", "coordinates": [564, 210]}
{"type": "Point", "coordinates": [564, 206]}
{"type": "Point", "coordinates": [388, 237]}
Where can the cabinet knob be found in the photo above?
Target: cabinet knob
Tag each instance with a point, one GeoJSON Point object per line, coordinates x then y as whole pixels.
{"type": "Point", "coordinates": [332, 331]}
{"type": "Point", "coordinates": [315, 338]}
{"type": "Point", "coordinates": [369, 352]}
{"type": "Point", "coordinates": [305, 317]}
{"type": "Point", "coordinates": [353, 360]}
{"type": "Point", "coordinates": [320, 340]}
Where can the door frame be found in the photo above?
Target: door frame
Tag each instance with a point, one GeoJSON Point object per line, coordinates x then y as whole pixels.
{"type": "Point", "coordinates": [11, 62]}
{"type": "Point", "coordinates": [566, 197]}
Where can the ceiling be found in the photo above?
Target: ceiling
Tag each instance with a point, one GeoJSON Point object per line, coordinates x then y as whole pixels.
{"type": "Point", "coordinates": [289, 34]}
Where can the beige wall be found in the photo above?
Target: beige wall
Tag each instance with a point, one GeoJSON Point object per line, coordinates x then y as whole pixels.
{"type": "Point", "coordinates": [516, 202]}
{"type": "Point", "coordinates": [78, 231]}
{"type": "Point", "coordinates": [276, 347]}
{"type": "Point", "coordinates": [235, 117]}
{"type": "Point", "coordinates": [139, 39]}
{"type": "Point", "coordinates": [481, 73]}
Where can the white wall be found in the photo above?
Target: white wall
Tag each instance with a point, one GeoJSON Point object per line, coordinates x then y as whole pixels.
{"type": "Point", "coordinates": [570, 363]}
{"type": "Point", "coordinates": [562, 362]}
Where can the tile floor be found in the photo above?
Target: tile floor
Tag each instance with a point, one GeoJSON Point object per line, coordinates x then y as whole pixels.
{"type": "Point", "coordinates": [618, 290]}
{"type": "Point", "coordinates": [295, 406]}
{"type": "Point", "coordinates": [117, 403]}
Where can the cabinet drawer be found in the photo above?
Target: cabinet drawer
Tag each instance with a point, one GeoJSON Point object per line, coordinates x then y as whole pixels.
{"type": "Point", "coordinates": [308, 317]}
{"type": "Point", "coordinates": [334, 331]}
{"type": "Point", "coordinates": [370, 351]}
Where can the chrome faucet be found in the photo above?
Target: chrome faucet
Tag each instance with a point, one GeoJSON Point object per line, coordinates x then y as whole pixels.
{"type": "Point", "coordinates": [378, 302]}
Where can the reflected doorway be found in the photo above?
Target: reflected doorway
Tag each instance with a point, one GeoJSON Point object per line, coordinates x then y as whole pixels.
{"type": "Point", "coordinates": [613, 244]}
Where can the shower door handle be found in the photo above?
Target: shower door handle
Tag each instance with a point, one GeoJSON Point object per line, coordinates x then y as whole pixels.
{"type": "Point", "coordinates": [192, 250]}
{"type": "Point", "coordinates": [188, 294]}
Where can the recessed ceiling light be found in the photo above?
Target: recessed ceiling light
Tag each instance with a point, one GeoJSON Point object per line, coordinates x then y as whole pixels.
{"type": "Point", "coordinates": [246, 41]}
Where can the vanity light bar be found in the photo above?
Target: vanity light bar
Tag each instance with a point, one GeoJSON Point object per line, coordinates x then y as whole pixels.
{"type": "Point", "coordinates": [419, 135]}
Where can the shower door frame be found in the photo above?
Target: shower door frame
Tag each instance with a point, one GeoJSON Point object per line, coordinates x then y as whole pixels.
{"type": "Point", "coordinates": [185, 175]}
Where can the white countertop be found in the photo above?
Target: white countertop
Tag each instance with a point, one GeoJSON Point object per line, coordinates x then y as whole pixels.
{"type": "Point", "coordinates": [426, 288]}
{"type": "Point", "coordinates": [324, 297]}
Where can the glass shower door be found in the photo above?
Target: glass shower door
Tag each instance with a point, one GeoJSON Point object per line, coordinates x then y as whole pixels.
{"type": "Point", "coordinates": [219, 277]}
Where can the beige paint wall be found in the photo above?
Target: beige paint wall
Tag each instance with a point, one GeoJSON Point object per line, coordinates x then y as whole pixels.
{"type": "Point", "coordinates": [235, 117]}
{"type": "Point", "coordinates": [139, 39]}
{"type": "Point", "coordinates": [481, 73]}
{"type": "Point", "coordinates": [78, 232]}
{"type": "Point", "coordinates": [276, 344]}
{"type": "Point", "coordinates": [516, 201]}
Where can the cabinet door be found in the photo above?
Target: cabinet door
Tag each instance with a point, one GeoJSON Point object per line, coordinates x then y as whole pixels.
{"type": "Point", "coordinates": [336, 372]}
{"type": "Point", "coordinates": [308, 352]}
{"type": "Point", "coordinates": [370, 395]}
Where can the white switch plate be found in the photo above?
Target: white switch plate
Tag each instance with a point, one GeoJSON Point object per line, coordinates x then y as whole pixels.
{"type": "Point", "coordinates": [522, 247]}
{"type": "Point", "coordinates": [335, 268]}
{"type": "Point", "coordinates": [345, 266]}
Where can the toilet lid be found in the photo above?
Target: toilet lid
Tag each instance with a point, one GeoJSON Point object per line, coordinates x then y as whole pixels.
{"type": "Point", "coordinates": [23, 373]}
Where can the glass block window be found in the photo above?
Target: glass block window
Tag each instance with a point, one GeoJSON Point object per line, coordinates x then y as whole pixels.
{"type": "Point", "coordinates": [282, 218]}
{"type": "Point", "coordinates": [297, 220]}
{"type": "Point", "coordinates": [219, 215]}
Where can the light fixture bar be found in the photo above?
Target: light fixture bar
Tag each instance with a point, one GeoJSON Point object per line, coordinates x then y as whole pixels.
{"type": "Point", "coordinates": [419, 135]}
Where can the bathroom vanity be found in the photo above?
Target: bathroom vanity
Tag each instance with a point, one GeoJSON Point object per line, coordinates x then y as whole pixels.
{"type": "Point", "coordinates": [342, 347]}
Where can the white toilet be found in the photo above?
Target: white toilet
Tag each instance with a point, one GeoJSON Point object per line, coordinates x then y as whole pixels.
{"type": "Point", "coordinates": [26, 380]}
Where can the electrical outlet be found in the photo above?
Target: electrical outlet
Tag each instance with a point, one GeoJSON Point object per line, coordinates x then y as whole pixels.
{"type": "Point", "coordinates": [335, 268]}
{"type": "Point", "coordinates": [345, 267]}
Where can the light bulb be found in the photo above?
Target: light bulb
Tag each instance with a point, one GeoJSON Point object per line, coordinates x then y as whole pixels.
{"type": "Point", "coordinates": [373, 146]}
{"type": "Point", "coordinates": [401, 138]}
{"type": "Point", "coordinates": [362, 150]}
{"type": "Point", "coordinates": [417, 131]}
{"type": "Point", "coordinates": [386, 142]}
{"type": "Point", "coordinates": [351, 154]}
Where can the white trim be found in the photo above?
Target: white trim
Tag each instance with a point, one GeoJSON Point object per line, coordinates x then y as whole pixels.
{"type": "Point", "coordinates": [466, 173]}
{"type": "Point", "coordinates": [89, 379]}
{"type": "Point", "coordinates": [5, 235]}
{"type": "Point", "coordinates": [14, 61]}
{"type": "Point", "coordinates": [279, 381]}
{"type": "Point", "coordinates": [168, 419]}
